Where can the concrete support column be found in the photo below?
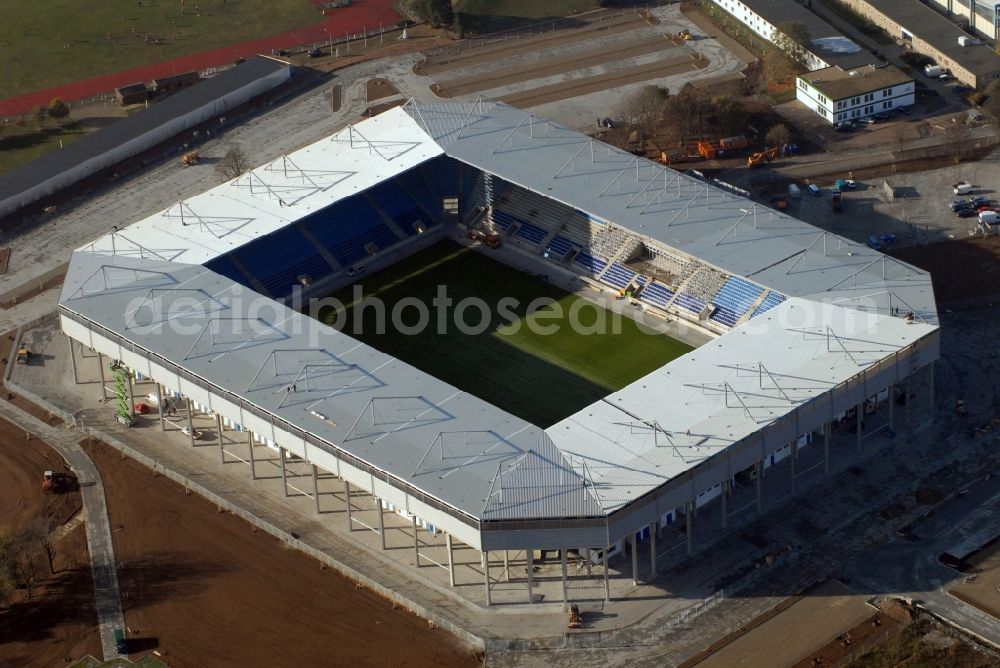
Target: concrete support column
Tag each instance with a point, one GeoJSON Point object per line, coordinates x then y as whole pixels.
{"type": "Point", "coordinates": [589, 564]}
{"type": "Point", "coordinates": [758, 480]}
{"type": "Point", "coordinates": [190, 421]}
{"type": "Point", "coordinates": [100, 368]}
{"type": "Point", "coordinates": [284, 478]}
{"type": "Point", "coordinates": [222, 447]}
{"type": "Point", "coordinates": [316, 486]}
{"type": "Point", "coordinates": [793, 458]}
{"type": "Point", "coordinates": [506, 566]}
{"type": "Point", "coordinates": [72, 358]}
{"type": "Point", "coordinates": [486, 572]}
{"type": "Point", "coordinates": [652, 551]}
{"type": "Point", "coordinates": [161, 409]}
{"type": "Point", "coordinates": [607, 584]}
{"type": "Point", "coordinates": [531, 574]}
{"type": "Point", "coordinates": [565, 588]}
{"type": "Point", "coordinates": [451, 565]}
{"type": "Point", "coordinates": [347, 498]}
{"type": "Point", "coordinates": [416, 541]}
{"type": "Point", "coordinates": [827, 428]}
{"type": "Point", "coordinates": [381, 520]}
{"type": "Point", "coordinates": [688, 517]}
{"type": "Point", "coordinates": [858, 418]}
{"type": "Point", "coordinates": [635, 560]}
{"type": "Point", "coordinates": [253, 464]}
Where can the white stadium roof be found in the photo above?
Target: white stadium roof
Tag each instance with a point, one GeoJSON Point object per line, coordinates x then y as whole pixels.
{"type": "Point", "coordinates": [446, 443]}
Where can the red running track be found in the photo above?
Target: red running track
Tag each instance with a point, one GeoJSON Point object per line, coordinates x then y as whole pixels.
{"type": "Point", "coordinates": [360, 15]}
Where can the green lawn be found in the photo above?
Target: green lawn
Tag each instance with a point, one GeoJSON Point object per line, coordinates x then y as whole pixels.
{"type": "Point", "coordinates": [22, 145]}
{"type": "Point", "coordinates": [480, 17]}
{"type": "Point", "coordinates": [51, 42]}
{"type": "Point", "coordinates": [540, 377]}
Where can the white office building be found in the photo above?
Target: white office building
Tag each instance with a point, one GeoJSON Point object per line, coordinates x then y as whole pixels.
{"type": "Point", "coordinates": [848, 95]}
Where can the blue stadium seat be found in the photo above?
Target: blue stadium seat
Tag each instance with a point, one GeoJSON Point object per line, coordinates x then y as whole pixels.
{"type": "Point", "coordinates": [689, 302]}
{"type": "Point", "coordinates": [734, 299]}
{"type": "Point", "coordinates": [399, 206]}
{"type": "Point", "coordinates": [223, 265]}
{"type": "Point", "coordinates": [656, 294]}
{"type": "Point", "coordinates": [770, 301]}
{"type": "Point", "coordinates": [593, 265]}
{"type": "Point", "coordinates": [275, 260]}
{"type": "Point", "coordinates": [415, 187]}
{"type": "Point", "coordinates": [618, 276]}
{"type": "Point", "coordinates": [531, 233]}
{"type": "Point", "coordinates": [347, 226]}
{"type": "Point", "coordinates": [561, 245]}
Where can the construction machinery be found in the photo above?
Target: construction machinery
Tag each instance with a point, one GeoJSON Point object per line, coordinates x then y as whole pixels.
{"type": "Point", "coordinates": [767, 155]}
{"type": "Point", "coordinates": [491, 239]}
{"type": "Point", "coordinates": [190, 158]}
{"type": "Point", "coordinates": [23, 355]}
{"type": "Point", "coordinates": [685, 35]}
{"type": "Point", "coordinates": [48, 481]}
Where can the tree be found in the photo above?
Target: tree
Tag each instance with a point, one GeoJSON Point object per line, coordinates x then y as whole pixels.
{"type": "Point", "coordinates": [58, 109]}
{"type": "Point", "coordinates": [234, 163]}
{"type": "Point", "coordinates": [642, 111]}
{"type": "Point", "coordinates": [18, 562]}
{"type": "Point", "coordinates": [793, 38]}
{"type": "Point", "coordinates": [991, 106]}
{"type": "Point", "coordinates": [41, 531]}
{"type": "Point", "coordinates": [727, 116]}
{"type": "Point", "coordinates": [436, 12]}
{"type": "Point", "coordinates": [778, 65]}
{"type": "Point", "coordinates": [38, 115]}
{"type": "Point", "coordinates": [778, 136]}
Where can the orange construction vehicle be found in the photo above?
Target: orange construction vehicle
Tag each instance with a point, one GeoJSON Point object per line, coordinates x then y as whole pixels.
{"type": "Point", "coordinates": [48, 481]}
{"type": "Point", "coordinates": [491, 239]}
{"type": "Point", "coordinates": [730, 143]}
{"type": "Point", "coordinates": [767, 155]}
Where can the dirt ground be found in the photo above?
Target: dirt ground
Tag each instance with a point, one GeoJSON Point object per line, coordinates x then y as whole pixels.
{"type": "Point", "coordinates": [59, 621]}
{"type": "Point", "coordinates": [204, 589]}
{"type": "Point", "coordinates": [450, 59]}
{"type": "Point", "coordinates": [964, 271]}
{"type": "Point", "coordinates": [810, 622]}
{"type": "Point", "coordinates": [984, 591]}
{"type": "Point", "coordinates": [376, 89]}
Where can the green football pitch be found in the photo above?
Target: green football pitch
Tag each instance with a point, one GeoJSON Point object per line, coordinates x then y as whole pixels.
{"type": "Point", "coordinates": [529, 360]}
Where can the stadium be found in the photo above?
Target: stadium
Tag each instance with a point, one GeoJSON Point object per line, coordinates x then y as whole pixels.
{"type": "Point", "coordinates": [576, 443]}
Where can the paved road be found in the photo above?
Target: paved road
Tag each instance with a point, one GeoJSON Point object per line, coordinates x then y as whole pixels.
{"type": "Point", "coordinates": [95, 517]}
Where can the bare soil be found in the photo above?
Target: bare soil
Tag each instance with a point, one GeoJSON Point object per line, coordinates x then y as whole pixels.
{"type": "Point", "coordinates": [966, 272]}
{"type": "Point", "coordinates": [465, 54]}
{"type": "Point", "coordinates": [583, 86]}
{"type": "Point", "coordinates": [336, 92]}
{"type": "Point", "coordinates": [58, 622]}
{"type": "Point", "coordinates": [551, 66]}
{"type": "Point", "coordinates": [376, 89]}
{"type": "Point", "coordinates": [204, 589]}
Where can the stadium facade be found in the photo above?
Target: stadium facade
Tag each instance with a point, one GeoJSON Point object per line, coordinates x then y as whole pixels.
{"type": "Point", "coordinates": [810, 329]}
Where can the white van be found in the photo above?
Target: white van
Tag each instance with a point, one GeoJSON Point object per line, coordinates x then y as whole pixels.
{"type": "Point", "coordinates": [989, 217]}
{"type": "Point", "coordinates": [793, 191]}
{"type": "Point", "coordinates": [962, 188]}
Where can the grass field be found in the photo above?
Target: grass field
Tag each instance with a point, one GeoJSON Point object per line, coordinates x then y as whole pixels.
{"type": "Point", "coordinates": [52, 42]}
{"type": "Point", "coordinates": [541, 377]}
{"type": "Point", "coordinates": [19, 146]}
{"type": "Point", "coordinates": [485, 16]}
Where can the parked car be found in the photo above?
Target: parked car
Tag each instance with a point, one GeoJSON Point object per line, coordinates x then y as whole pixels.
{"type": "Point", "coordinates": [905, 110]}
{"type": "Point", "coordinates": [814, 189]}
{"type": "Point", "coordinates": [961, 188]}
{"type": "Point", "coordinates": [945, 77]}
{"type": "Point", "coordinates": [870, 120]}
{"type": "Point", "coordinates": [315, 53]}
{"type": "Point", "coordinates": [850, 184]}
{"type": "Point", "coordinates": [962, 205]}
{"type": "Point", "coordinates": [875, 243]}
{"type": "Point", "coordinates": [967, 212]}
{"type": "Point", "coordinates": [844, 126]}
{"type": "Point", "coordinates": [979, 200]}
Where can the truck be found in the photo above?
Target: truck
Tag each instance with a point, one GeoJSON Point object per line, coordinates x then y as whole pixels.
{"type": "Point", "coordinates": [190, 158]}
{"type": "Point", "coordinates": [837, 202]}
{"type": "Point", "coordinates": [23, 355]}
{"type": "Point", "coordinates": [933, 70]}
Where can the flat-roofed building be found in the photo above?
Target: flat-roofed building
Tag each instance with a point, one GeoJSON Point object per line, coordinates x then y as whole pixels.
{"type": "Point", "coordinates": [928, 32]}
{"type": "Point", "coordinates": [844, 95]}
{"type": "Point", "coordinates": [827, 47]}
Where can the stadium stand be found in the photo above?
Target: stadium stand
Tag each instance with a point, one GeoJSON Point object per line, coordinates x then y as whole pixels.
{"type": "Point", "coordinates": [347, 227]}
{"type": "Point", "coordinates": [705, 282]}
{"type": "Point", "coordinates": [415, 186]}
{"type": "Point", "coordinates": [531, 233]}
{"type": "Point", "coordinates": [277, 261]}
{"type": "Point", "coordinates": [771, 299]}
{"type": "Point", "coordinates": [657, 294]}
{"type": "Point", "coordinates": [559, 247]}
{"type": "Point", "coordinates": [397, 205]}
{"type": "Point", "coordinates": [618, 276]}
{"type": "Point", "coordinates": [689, 303]}
{"type": "Point", "coordinates": [734, 300]}
{"type": "Point", "coordinates": [592, 265]}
